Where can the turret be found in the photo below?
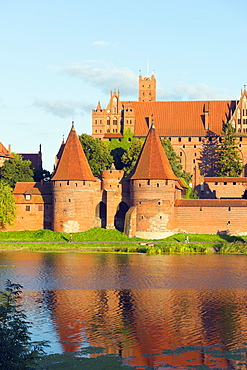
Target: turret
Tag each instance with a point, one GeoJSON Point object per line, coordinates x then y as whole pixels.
{"type": "Point", "coordinates": [74, 187]}
{"type": "Point", "coordinates": [152, 189]}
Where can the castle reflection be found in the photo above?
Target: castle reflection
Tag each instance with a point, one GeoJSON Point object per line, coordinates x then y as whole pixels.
{"type": "Point", "coordinates": [133, 306]}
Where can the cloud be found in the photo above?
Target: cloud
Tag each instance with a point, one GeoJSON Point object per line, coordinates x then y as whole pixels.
{"type": "Point", "coordinates": [104, 44]}
{"type": "Point", "coordinates": [183, 91]}
{"type": "Point", "coordinates": [104, 76]}
{"type": "Point", "coordinates": [62, 108]}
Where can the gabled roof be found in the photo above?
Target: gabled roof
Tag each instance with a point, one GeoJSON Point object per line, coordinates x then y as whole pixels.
{"type": "Point", "coordinates": [181, 118]}
{"type": "Point", "coordinates": [152, 162]}
{"type": "Point", "coordinates": [4, 152]}
{"type": "Point", "coordinates": [73, 164]}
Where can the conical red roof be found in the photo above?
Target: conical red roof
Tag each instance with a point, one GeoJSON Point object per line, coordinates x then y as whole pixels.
{"type": "Point", "coordinates": [73, 164]}
{"type": "Point", "coordinates": [152, 162]}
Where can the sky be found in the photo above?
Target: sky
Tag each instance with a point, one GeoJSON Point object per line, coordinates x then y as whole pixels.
{"type": "Point", "coordinates": [58, 58]}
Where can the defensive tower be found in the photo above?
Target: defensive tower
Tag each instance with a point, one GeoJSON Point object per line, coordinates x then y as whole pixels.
{"type": "Point", "coordinates": [73, 189]}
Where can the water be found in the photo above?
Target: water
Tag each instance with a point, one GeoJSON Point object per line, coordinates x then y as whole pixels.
{"type": "Point", "coordinates": [184, 311]}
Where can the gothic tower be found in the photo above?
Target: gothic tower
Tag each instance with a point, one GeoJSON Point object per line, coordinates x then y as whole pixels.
{"type": "Point", "coordinates": [147, 88]}
{"type": "Point", "coordinates": [153, 191]}
{"type": "Point", "coordinates": [74, 189]}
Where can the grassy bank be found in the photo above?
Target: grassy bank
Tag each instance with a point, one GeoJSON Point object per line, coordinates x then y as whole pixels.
{"type": "Point", "coordinates": [102, 240]}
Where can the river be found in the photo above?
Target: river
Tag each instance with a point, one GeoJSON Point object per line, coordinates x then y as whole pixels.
{"type": "Point", "coordinates": [152, 310]}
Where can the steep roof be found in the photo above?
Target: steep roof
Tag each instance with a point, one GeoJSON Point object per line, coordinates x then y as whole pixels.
{"type": "Point", "coordinates": [73, 164]}
{"type": "Point", "coordinates": [4, 152]}
{"type": "Point", "coordinates": [152, 162]}
{"type": "Point", "coordinates": [181, 118]}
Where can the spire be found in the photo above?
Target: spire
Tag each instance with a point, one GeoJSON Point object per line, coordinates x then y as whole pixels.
{"type": "Point", "coordinates": [98, 106]}
{"type": "Point", "coordinates": [152, 162]}
{"type": "Point", "coordinates": [73, 164]}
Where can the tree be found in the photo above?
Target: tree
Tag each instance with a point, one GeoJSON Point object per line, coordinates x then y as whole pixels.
{"type": "Point", "coordinates": [131, 155]}
{"type": "Point", "coordinates": [97, 153]}
{"type": "Point", "coordinates": [7, 205]}
{"type": "Point", "coordinates": [229, 160]}
{"type": "Point", "coordinates": [118, 147]}
{"type": "Point", "coordinates": [17, 351]}
{"type": "Point", "coordinates": [16, 170]}
{"type": "Point", "coordinates": [174, 160]}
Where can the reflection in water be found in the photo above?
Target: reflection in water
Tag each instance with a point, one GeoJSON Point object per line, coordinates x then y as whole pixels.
{"type": "Point", "coordinates": [146, 309]}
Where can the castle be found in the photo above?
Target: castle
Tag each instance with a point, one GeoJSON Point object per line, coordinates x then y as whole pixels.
{"type": "Point", "coordinates": [193, 127]}
{"type": "Point", "coordinates": [149, 203]}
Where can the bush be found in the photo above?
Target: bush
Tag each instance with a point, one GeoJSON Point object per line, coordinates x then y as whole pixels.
{"type": "Point", "coordinates": [17, 351]}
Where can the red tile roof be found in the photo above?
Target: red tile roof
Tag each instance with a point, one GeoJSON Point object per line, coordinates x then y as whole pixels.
{"type": "Point", "coordinates": [211, 203]}
{"type": "Point", "coordinates": [152, 162]}
{"type": "Point", "coordinates": [180, 118]}
{"type": "Point", "coordinates": [4, 152]}
{"type": "Point", "coordinates": [73, 164]}
{"type": "Point", "coordinates": [225, 179]}
{"type": "Point", "coordinates": [40, 193]}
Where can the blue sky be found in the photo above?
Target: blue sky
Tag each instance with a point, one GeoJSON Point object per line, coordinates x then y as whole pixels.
{"type": "Point", "coordinates": [59, 58]}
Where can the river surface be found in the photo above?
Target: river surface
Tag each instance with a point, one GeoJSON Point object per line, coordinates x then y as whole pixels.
{"type": "Point", "coordinates": [162, 311]}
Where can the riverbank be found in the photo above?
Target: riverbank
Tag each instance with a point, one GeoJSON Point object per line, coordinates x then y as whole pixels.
{"type": "Point", "coordinates": [102, 240]}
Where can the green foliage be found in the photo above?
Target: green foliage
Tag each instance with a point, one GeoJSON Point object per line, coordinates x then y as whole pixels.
{"type": "Point", "coordinates": [97, 153]}
{"type": "Point", "coordinates": [174, 160]}
{"type": "Point", "coordinates": [7, 205]}
{"type": "Point", "coordinates": [191, 193]}
{"type": "Point", "coordinates": [229, 160]}
{"type": "Point", "coordinates": [41, 175]}
{"type": "Point", "coordinates": [17, 170]}
{"type": "Point", "coordinates": [131, 155]}
{"type": "Point", "coordinates": [17, 351]}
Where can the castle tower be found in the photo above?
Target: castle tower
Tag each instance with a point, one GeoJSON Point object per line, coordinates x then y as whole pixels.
{"type": "Point", "coordinates": [112, 198]}
{"type": "Point", "coordinates": [153, 191]}
{"type": "Point", "coordinates": [74, 188]}
{"type": "Point", "coordinates": [147, 88]}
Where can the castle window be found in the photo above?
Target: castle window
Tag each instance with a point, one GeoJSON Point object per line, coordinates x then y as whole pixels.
{"type": "Point", "coordinates": [131, 121]}
{"type": "Point", "coordinates": [239, 121]}
{"type": "Point", "coordinates": [228, 223]}
{"type": "Point", "coordinates": [183, 146]}
{"type": "Point", "coordinates": [28, 196]}
{"type": "Point", "coordinates": [76, 184]}
{"type": "Point", "coordinates": [40, 208]}
{"type": "Point", "coordinates": [234, 183]}
{"type": "Point", "coordinates": [215, 183]}
{"type": "Point", "coordinates": [189, 138]}
{"type": "Point", "coordinates": [95, 122]}
{"type": "Point", "coordinates": [240, 139]}
{"type": "Point", "coordinates": [139, 185]}
{"type": "Point", "coordinates": [129, 139]}
{"type": "Point", "coordinates": [84, 183]}
{"type": "Point", "coordinates": [100, 122]}
{"type": "Point", "coordinates": [115, 122]}
{"type": "Point", "coordinates": [148, 182]}
{"type": "Point", "coordinates": [159, 203]}
{"type": "Point", "coordinates": [179, 139]}
{"type": "Point", "coordinates": [167, 182]}
{"type": "Point", "coordinates": [158, 185]}
{"type": "Point", "coordinates": [195, 154]}
{"type": "Point", "coordinates": [194, 146]}
{"type": "Point", "coordinates": [96, 131]}
{"type": "Point", "coordinates": [140, 202]}
{"type": "Point", "coordinates": [181, 153]}
{"type": "Point", "coordinates": [28, 208]}
{"type": "Point", "coordinates": [161, 217]}
{"type": "Point", "coordinates": [127, 121]}
{"type": "Point", "coordinates": [69, 200]}
{"type": "Point", "coordinates": [225, 183]}
{"type": "Point", "coordinates": [108, 122]}
{"type": "Point", "coordinates": [199, 138]}
{"type": "Point", "coordinates": [194, 161]}
{"type": "Point", "coordinates": [142, 217]}
{"type": "Point", "coordinates": [67, 182]}
{"type": "Point", "coordinates": [108, 130]}
{"type": "Point", "coordinates": [229, 208]}
{"type": "Point", "coordinates": [200, 209]}
{"type": "Point", "coordinates": [60, 184]}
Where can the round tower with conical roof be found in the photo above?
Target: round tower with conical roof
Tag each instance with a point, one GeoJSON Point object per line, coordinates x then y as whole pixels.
{"type": "Point", "coordinates": [152, 191]}
{"type": "Point", "coordinates": [75, 189]}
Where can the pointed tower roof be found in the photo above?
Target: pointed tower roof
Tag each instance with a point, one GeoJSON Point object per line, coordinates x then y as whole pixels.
{"type": "Point", "coordinates": [73, 164]}
{"type": "Point", "coordinates": [98, 106]}
{"type": "Point", "coordinates": [152, 162]}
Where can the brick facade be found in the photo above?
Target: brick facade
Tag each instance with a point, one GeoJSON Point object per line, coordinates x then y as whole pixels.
{"type": "Point", "coordinates": [147, 204]}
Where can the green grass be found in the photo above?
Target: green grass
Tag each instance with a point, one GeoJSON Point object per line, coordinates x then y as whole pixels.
{"type": "Point", "coordinates": [102, 240]}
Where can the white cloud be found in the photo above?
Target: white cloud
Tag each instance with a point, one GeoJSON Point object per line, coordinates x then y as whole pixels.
{"type": "Point", "coordinates": [104, 44]}
{"type": "Point", "coordinates": [62, 108]}
{"type": "Point", "coordinates": [183, 91]}
{"type": "Point", "coordinates": [104, 76]}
